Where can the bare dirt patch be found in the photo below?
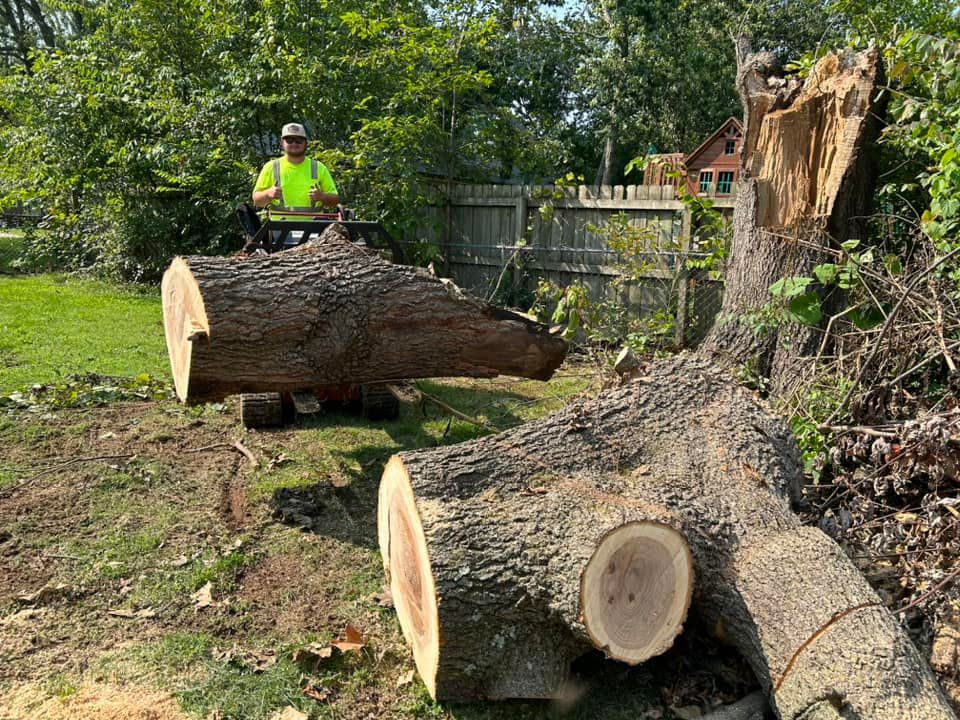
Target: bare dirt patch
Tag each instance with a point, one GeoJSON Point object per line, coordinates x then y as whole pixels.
{"type": "Point", "coordinates": [134, 549]}
{"type": "Point", "coordinates": [92, 702]}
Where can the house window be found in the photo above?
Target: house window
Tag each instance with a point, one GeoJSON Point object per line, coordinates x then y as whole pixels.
{"type": "Point", "coordinates": [706, 178]}
{"type": "Point", "coordinates": [730, 147]}
{"type": "Point", "coordinates": [724, 182]}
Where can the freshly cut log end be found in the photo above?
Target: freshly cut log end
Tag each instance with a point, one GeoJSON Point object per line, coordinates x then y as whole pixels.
{"type": "Point", "coordinates": [636, 590]}
{"type": "Point", "coordinates": [505, 552]}
{"type": "Point", "coordinates": [184, 321]}
{"type": "Point", "coordinates": [407, 562]}
{"type": "Point", "coordinates": [326, 313]}
{"type": "Point", "coordinates": [499, 591]}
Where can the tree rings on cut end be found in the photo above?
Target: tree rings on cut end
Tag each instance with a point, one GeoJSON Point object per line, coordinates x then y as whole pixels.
{"type": "Point", "coordinates": [184, 321]}
{"type": "Point", "coordinates": [636, 589]}
{"type": "Point", "coordinates": [405, 558]}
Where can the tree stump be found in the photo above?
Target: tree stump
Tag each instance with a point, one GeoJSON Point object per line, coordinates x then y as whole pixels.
{"type": "Point", "coordinates": [329, 313]}
{"type": "Point", "coordinates": [482, 541]}
{"type": "Point", "coordinates": [807, 173]}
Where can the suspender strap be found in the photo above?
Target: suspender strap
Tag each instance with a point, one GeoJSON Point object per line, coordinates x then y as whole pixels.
{"type": "Point", "coordinates": [314, 174]}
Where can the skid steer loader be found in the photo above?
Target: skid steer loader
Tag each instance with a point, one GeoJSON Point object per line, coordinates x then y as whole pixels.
{"type": "Point", "coordinates": [284, 229]}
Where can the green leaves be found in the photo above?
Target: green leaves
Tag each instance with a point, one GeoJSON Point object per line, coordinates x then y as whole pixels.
{"type": "Point", "coordinates": [802, 305]}
{"type": "Point", "coordinates": [826, 273]}
{"type": "Point", "coordinates": [790, 287]}
{"type": "Point", "coordinates": [805, 309]}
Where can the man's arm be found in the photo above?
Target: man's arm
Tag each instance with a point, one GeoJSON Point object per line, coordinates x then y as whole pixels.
{"type": "Point", "coordinates": [324, 192]}
{"type": "Point", "coordinates": [323, 198]}
{"type": "Point", "coordinates": [262, 198]}
{"type": "Point", "coordinates": [265, 190]}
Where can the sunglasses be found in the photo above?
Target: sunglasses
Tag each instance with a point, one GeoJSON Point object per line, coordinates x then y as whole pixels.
{"type": "Point", "coordinates": [295, 140]}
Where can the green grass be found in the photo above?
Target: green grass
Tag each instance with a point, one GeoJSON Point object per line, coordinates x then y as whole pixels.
{"type": "Point", "coordinates": [131, 541]}
{"type": "Point", "coordinates": [205, 685]}
{"type": "Point", "coordinates": [11, 241]}
{"type": "Point", "coordinates": [53, 326]}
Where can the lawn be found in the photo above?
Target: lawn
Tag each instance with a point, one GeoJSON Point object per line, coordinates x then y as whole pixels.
{"type": "Point", "coordinates": [118, 517]}
{"type": "Point", "coordinates": [54, 326]}
{"type": "Point", "coordinates": [150, 569]}
{"type": "Point", "coordinates": [145, 562]}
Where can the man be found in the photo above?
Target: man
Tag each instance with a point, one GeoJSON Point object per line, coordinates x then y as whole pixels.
{"type": "Point", "coordinates": [294, 181]}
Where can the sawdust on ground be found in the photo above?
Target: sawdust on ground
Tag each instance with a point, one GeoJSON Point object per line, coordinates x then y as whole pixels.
{"type": "Point", "coordinates": [91, 702]}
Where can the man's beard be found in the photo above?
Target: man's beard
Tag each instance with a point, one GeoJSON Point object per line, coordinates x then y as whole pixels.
{"type": "Point", "coordinates": [296, 153]}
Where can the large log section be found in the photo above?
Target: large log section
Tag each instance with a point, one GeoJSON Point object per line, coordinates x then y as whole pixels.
{"type": "Point", "coordinates": [330, 313]}
{"type": "Point", "coordinates": [484, 542]}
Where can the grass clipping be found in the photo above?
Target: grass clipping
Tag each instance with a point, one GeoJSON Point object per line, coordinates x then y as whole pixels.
{"type": "Point", "coordinates": [91, 702]}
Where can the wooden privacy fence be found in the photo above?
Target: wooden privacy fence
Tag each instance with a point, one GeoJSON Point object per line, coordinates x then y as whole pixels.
{"type": "Point", "coordinates": [557, 231]}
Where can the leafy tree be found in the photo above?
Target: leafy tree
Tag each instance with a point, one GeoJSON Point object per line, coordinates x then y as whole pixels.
{"type": "Point", "coordinates": [662, 73]}
{"type": "Point", "coordinates": [28, 25]}
{"type": "Point", "coordinates": [139, 137]}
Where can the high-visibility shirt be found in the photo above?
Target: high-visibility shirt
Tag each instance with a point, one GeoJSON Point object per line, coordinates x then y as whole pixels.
{"type": "Point", "coordinates": [296, 182]}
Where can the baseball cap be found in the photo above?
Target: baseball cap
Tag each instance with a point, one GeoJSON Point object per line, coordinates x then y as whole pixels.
{"type": "Point", "coordinates": [293, 130]}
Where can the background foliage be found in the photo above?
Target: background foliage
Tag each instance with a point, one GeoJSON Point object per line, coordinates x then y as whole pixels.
{"type": "Point", "coordinates": [137, 125]}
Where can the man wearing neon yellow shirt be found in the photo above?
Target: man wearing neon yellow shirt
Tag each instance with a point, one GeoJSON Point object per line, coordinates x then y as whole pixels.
{"type": "Point", "coordinates": [295, 181]}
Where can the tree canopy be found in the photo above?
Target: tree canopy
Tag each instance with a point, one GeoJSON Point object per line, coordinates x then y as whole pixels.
{"type": "Point", "coordinates": [138, 124]}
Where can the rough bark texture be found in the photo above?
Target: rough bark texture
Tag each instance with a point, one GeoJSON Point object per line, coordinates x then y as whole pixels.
{"type": "Point", "coordinates": [525, 575]}
{"type": "Point", "coordinates": [689, 441]}
{"type": "Point", "coordinates": [806, 184]}
{"type": "Point", "coordinates": [329, 313]}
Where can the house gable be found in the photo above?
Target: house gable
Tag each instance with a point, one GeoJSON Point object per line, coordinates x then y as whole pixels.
{"type": "Point", "coordinates": [714, 167]}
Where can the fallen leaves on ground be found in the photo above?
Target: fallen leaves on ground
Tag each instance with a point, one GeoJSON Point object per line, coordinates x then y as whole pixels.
{"type": "Point", "coordinates": [311, 656]}
{"type": "Point", "coordinates": [352, 640]}
{"type": "Point", "coordinates": [289, 713]}
{"type": "Point", "coordinates": [255, 660]}
{"type": "Point", "coordinates": [313, 653]}
{"type": "Point", "coordinates": [383, 598]}
{"type": "Point", "coordinates": [203, 597]}
{"type": "Point", "coordinates": [46, 594]}
{"type": "Point", "coordinates": [405, 678]}
{"type": "Point", "coordinates": [133, 614]}
{"type": "Point", "coordinates": [316, 692]}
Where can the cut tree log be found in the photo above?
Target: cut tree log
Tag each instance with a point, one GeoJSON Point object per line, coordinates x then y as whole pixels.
{"type": "Point", "coordinates": [482, 541]}
{"type": "Point", "coordinates": [501, 587]}
{"type": "Point", "coordinates": [330, 313]}
{"type": "Point", "coordinates": [806, 186]}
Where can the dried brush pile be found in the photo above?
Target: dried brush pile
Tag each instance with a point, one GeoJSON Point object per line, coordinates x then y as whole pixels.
{"type": "Point", "coordinates": [886, 479]}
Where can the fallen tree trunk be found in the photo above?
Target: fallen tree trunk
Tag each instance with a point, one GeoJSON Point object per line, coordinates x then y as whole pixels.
{"type": "Point", "coordinates": [683, 445]}
{"type": "Point", "coordinates": [329, 313]}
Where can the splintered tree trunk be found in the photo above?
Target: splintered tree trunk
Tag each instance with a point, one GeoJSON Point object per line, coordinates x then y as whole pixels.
{"type": "Point", "coordinates": [329, 313]}
{"type": "Point", "coordinates": [484, 541]}
{"type": "Point", "coordinates": [807, 176]}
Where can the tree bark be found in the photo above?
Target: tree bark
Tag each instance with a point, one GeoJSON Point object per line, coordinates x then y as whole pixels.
{"type": "Point", "coordinates": [806, 185]}
{"type": "Point", "coordinates": [329, 313]}
{"type": "Point", "coordinates": [499, 587]}
{"type": "Point", "coordinates": [718, 469]}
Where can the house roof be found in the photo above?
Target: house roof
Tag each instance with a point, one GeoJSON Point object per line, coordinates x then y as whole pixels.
{"type": "Point", "coordinates": [709, 141]}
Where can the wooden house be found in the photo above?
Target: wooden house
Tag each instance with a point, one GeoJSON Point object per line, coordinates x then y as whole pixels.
{"type": "Point", "coordinates": [663, 169]}
{"type": "Point", "coordinates": [714, 168]}
{"type": "Point", "coordinates": [711, 170]}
